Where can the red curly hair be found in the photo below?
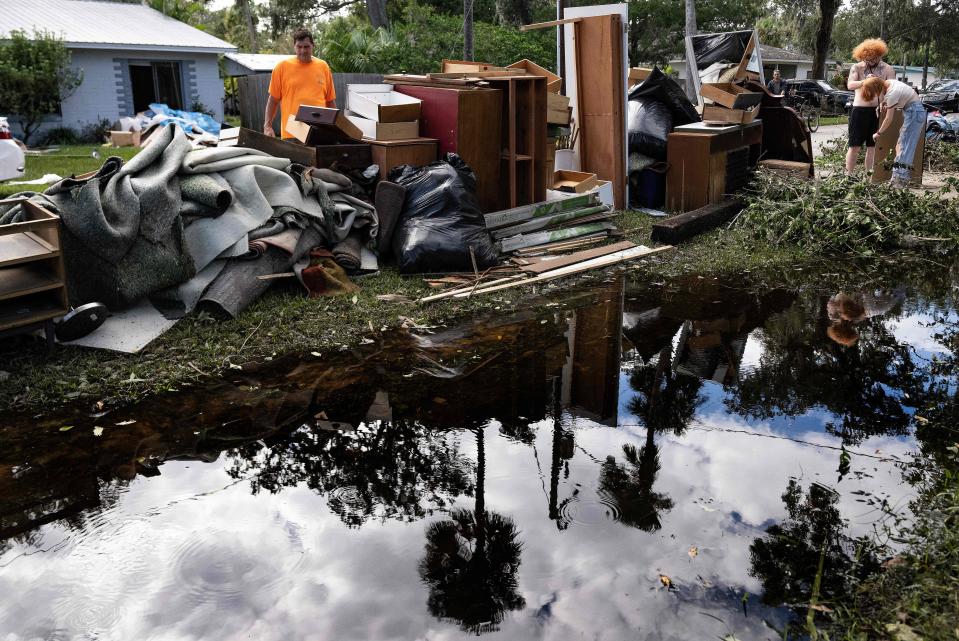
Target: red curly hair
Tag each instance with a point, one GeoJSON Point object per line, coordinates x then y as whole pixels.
{"type": "Point", "coordinates": [872, 87]}
{"type": "Point", "coordinates": [870, 48]}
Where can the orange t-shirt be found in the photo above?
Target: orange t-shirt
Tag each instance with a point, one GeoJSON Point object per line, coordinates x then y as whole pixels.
{"type": "Point", "coordinates": [296, 83]}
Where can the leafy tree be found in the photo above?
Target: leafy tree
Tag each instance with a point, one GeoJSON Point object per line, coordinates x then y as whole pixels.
{"type": "Point", "coordinates": [35, 77]}
{"type": "Point", "coordinates": [188, 11]}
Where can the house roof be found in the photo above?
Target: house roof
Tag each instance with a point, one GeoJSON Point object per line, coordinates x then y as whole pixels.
{"type": "Point", "coordinates": [775, 54]}
{"type": "Point", "coordinates": [90, 24]}
{"type": "Point", "coordinates": [250, 63]}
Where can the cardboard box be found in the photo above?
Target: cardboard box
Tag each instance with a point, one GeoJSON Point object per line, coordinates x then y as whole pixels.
{"type": "Point", "coordinates": [638, 74]}
{"type": "Point", "coordinates": [736, 116]}
{"type": "Point", "coordinates": [467, 66]}
{"type": "Point", "coordinates": [557, 109]}
{"type": "Point", "coordinates": [730, 95]}
{"type": "Point", "coordinates": [577, 182]}
{"type": "Point", "coordinates": [331, 125]}
{"type": "Point", "coordinates": [125, 138]}
{"type": "Point", "coordinates": [553, 82]}
{"type": "Point", "coordinates": [373, 130]}
{"type": "Point", "coordinates": [382, 104]}
{"type": "Point", "coordinates": [603, 189]}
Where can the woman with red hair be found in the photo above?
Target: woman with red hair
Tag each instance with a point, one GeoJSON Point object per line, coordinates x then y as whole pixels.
{"type": "Point", "coordinates": [864, 119]}
{"type": "Point", "coordinates": [898, 95]}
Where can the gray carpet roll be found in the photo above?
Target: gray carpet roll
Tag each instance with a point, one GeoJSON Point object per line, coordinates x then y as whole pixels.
{"type": "Point", "coordinates": [389, 205]}
{"type": "Point", "coordinates": [206, 190]}
{"type": "Point", "coordinates": [346, 253]}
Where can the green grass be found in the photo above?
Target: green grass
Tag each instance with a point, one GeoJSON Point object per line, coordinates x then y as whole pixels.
{"type": "Point", "coordinates": [63, 163]}
{"type": "Point", "coordinates": [833, 120]}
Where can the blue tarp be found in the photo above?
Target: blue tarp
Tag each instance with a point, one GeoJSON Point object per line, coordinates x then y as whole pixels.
{"type": "Point", "coordinates": [190, 120]}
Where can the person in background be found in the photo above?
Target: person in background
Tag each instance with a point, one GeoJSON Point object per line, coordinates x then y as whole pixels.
{"type": "Point", "coordinates": [301, 80]}
{"type": "Point", "coordinates": [864, 117]}
{"type": "Point", "coordinates": [894, 94]}
{"type": "Point", "coordinates": [776, 86]}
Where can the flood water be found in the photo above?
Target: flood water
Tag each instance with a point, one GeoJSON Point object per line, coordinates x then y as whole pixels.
{"type": "Point", "coordinates": [629, 461]}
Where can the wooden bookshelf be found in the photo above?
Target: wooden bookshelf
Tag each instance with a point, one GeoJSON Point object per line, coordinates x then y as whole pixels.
{"type": "Point", "coordinates": [33, 287]}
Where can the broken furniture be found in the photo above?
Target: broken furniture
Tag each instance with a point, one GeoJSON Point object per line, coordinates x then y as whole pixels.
{"type": "Point", "coordinates": [576, 182]}
{"type": "Point", "coordinates": [380, 103]}
{"type": "Point", "coordinates": [416, 152]}
{"type": "Point", "coordinates": [33, 287]}
{"type": "Point", "coordinates": [346, 155]}
{"type": "Point", "coordinates": [467, 122]}
{"type": "Point", "coordinates": [522, 139]}
{"type": "Point", "coordinates": [705, 166]}
{"type": "Point", "coordinates": [886, 151]}
{"type": "Point", "coordinates": [785, 135]}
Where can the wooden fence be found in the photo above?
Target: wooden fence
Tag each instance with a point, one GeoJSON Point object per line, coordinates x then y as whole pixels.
{"type": "Point", "coordinates": [253, 93]}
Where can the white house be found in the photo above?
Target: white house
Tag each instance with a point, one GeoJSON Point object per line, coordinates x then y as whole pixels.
{"type": "Point", "coordinates": [130, 56]}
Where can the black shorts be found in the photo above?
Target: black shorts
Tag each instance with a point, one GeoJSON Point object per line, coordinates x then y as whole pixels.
{"type": "Point", "coordinates": [863, 123]}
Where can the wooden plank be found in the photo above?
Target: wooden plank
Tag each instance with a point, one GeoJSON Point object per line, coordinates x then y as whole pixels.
{"type": "Point", "coordinates": [600, 96]}
{"type": "Point", "coordinates": [676, 229]}
{"type": "Point", "coordinates": [546, 25]}
{"type": "Point", "coordinates": [458, 290]}
{"type": "Point", "coordinates": [634, 253]}
{"type": "Point", "coordinates": [577, 257]}
{"type": "Point", "coordinates": [294, 151]}
{"type": "Point", "coordinates": [23, 248]}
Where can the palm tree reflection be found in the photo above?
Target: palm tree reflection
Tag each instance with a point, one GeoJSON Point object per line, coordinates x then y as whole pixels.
{"type": "Point", "coordinates": [471, 562]}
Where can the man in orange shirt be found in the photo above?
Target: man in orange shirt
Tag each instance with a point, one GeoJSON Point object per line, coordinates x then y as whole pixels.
{"type": "Point", "coordinates": [303, 80]}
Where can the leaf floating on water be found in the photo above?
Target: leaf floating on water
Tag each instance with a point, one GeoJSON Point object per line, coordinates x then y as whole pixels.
{"type": "Point", "coordinates": [693, 552]}
{"type": "Point", "coordinates": [98, 431]}
{"type": "Point", "coordinates": [127, 422]}
{"type": "Point", "coordinates": [235, 366]}
{"type": "Point", "coordinates": [922, 420]}
{"type": "Point", "coordinates": [317, 354]}
{"type": "Point", "coordinates": [902, 632]}
{"type": "Point", "coordinates": [100, 405]}
{"type": "Point", "coordinates": [666, 581]}
{"type": "Point", "coordinates": [66, 428]}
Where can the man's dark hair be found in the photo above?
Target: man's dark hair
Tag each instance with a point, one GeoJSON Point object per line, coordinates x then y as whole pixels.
{"type": "Point", "coordinates": [302, 34]}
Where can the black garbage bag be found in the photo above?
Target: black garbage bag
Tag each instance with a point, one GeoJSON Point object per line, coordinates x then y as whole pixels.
{"type": "Point", "coordinates": [720, 47]}
{"type": "Point", "coordinates": [441, 219]}
{"type": "Point", "coordinates": [648, 122]}
{"type": "Point", "coordinates": [664, 89]}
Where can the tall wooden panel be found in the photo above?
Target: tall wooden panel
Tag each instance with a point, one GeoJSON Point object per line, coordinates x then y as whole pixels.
{"type": "Point", "coordinates": [600, 98]}
{"type": "Point", "coordinates": [467, 122]}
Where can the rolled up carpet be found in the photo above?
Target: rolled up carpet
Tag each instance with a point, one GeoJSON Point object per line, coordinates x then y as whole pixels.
{"type": "Point", "coordinates": [346, 253]}
{"type": "Point", "coordinates": [206, 190]}
{"type": "Point", "coordinates": [389, 206]}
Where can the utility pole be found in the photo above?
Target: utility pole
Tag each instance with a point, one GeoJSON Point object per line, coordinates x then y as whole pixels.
{"type": "Point", "coordinates": [882, 19]}
{"type": "Point", "coordinates": [467, 29]}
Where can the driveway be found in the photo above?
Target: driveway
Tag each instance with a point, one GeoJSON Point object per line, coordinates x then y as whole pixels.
{"type": "Point", "coordinates": [827, 133]}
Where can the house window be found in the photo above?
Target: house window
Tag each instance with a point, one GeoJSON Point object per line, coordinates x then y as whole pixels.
{"type": "Point", "coordinates": [156, 82]}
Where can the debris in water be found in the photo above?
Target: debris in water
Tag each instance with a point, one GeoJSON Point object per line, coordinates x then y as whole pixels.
{"type": "Point", "coordinates": [97, 431]}
{"type": "Point", "coordinates": [693, 552]}
{"type": "Point", "coordinates": [66, 428]}
{"type": "Point", "coordinates": [127, 422]}
{"type": "Point", "coordinates": [666, 581]}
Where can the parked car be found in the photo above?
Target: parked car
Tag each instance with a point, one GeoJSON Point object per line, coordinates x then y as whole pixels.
{"type": "Point", "coordinates": [942, 95]}
{"type": "Point", "coordinates": [821, 94]}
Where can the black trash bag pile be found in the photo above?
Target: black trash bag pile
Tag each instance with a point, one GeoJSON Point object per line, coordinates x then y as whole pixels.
{"type": "Point", "coordinates": [655, 107]}
{"type": "Point", "coordinates": [720, 47]}
{"type": "Point", "coordinates": [441, 219]}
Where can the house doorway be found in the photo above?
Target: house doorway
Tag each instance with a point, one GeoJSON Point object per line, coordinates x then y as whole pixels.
{"type": "Point", "coordinates": [156, 82]}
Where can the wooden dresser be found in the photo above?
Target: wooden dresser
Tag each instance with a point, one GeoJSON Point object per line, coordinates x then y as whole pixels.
{"type": "Point", "coordinates": [705, 166]}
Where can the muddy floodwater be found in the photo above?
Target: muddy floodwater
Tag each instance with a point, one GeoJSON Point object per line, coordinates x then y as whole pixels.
{"type": "Point", "coordinates": [628, 461]}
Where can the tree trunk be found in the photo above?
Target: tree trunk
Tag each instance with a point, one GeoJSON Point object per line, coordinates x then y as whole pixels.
{"type": "Point", "coordinates": [513, 12]}
{"type": "Point", "coordinates": [376, 10]}
{"type": "Point", "coordinates": [467, 29]}
{"type": "Point", "coordinates": [244, 6]}
{"type": "Point", "coordinates": [827, 17]}
{"type": "Point", "coordinates": [690, 31]}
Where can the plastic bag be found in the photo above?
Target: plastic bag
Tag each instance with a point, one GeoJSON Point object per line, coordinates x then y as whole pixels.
{"type": "Point", "coordinates": [441, 219]}
{"type": "Point", "coordinates": [648, 122]}
{"type": "Point", "coordinates": [661, 87]}
{"type": "Point", "coordinates": [720, 47]}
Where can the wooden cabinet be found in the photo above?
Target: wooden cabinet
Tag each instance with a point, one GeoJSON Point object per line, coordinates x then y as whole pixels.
{"type": "Point", "coordinates": [32, 279]}
{"type": "Point", "coordinates": [704, 167]}
{"type": "Point", "coordinates": [393, 153]}
{"type": "Point", "coordinates": [467, 122]}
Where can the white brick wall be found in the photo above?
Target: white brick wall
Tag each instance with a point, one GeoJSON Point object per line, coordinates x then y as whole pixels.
{"type": "Point", "coordinates": [105, 90]}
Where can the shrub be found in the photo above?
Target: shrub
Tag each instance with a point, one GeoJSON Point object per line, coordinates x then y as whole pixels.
{"type": "Point", "coordinates": [60, 136]}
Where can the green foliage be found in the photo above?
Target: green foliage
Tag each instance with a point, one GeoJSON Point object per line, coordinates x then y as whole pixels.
{"type": "Point", "coordinates": [188, 11]}
{"type": "Point", "coordinates": [839, 215]}
{"type": "Point", "coordinates": [424, 38]}
{"type": "Point", "coordinates": [35, 76]}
